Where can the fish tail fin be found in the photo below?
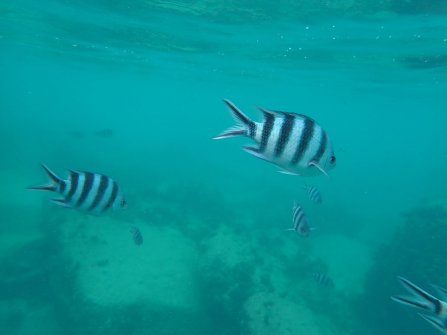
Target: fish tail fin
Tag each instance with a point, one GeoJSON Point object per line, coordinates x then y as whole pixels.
{"type": "Point", "coordinates": [435, 322]}
{"type": "Point", "coordinates": [53, 186]}
{"type": "Point", "coordinates": [442, 291]}
{"type": "Point", "coordinates": [245, 127]}
{"type": "Point", "coordinates": [421, 299]}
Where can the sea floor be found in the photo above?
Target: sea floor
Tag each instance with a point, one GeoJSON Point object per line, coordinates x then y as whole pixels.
{"type": "Point", "coordinates": [195, 270]}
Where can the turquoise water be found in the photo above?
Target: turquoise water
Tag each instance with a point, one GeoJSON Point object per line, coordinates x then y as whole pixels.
{"type": "Point", "coordinates": [134, 90]}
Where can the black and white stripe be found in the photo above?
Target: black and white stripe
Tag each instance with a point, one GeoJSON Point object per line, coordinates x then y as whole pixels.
{"type": "Point", "coordinates": [322, 279]}
{"type": "Point", "coordinates": [303, 143]}
{"type": "Point", "coordinates": [284, 134]}
{"type": "Point", "coordinates": [86, 191]}
{"type": "Point", "coordinates": [92, 192]}
{"type": "Point", "coordinates": [314, 194]}
{"type": "Point", "coordinates": [102, 187]}
{"type": "Point", "coordinates": [113, 196]}
{"type": "Point", "coordinates": [294, 142]}
{"type": "Point", "coordinates": [299, 220]}
{"type": "Point", "coordinates": [86, 188]}
{"type": "Point", "coordinates": [267, 127]}
{"type": "Point", "coordinates": [71, 190]}
{"type": "Point", "coordinates": [321, 147]}
{"type": "Point", "coordinates": [137, 237]}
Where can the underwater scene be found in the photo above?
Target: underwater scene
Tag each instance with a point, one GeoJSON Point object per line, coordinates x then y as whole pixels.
{"type": "Point", "coordinates": [223, 167]}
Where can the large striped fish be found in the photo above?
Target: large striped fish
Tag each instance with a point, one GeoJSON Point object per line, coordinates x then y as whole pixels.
{"type": "Point", "coordinates": [294, 142]}
{"type": "Point", "coordinates": [89, 192]}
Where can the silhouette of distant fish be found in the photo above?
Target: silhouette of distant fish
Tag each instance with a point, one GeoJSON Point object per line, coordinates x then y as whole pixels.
{"type": "Point", "coordinates": [106, 132]}
{"type": "Point", "coordinates": [76, 134]}
{"type": "Point", "coordinates": [88, 192]}
{"type": "Point", "coordinates": [313, 194]}
{"type": "Point", "coordinates": [323, 279]}
{"type": "Point", "coordinates": [136, 235]}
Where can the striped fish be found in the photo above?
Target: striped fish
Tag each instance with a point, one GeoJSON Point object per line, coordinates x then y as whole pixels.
{"type": "Point", "coordinates": [323, 279]}
{"type": "Point", "coordinates": [294, 142]}
{"type": "Point", "coordinates": [299, 219]}
{"type": "Point", "coordinates": [425, 301]}
{"type": "Point", "coordinates": [314, 194]}
{"type": "Point", "coordinates": [88, 192]}
{"type": "Point", "coordinates": [136, 235]}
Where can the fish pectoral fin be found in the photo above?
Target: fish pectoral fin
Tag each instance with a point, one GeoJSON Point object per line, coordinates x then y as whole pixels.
{"type": "Point", "coordinates": [290, 173]}
{"type": "Point", "coordinates": [442, 291]}
{"type": "Point", "coordinates": [60, 202]}
{"type": "Point", "coordinates": [255, 152]}
{"type": "Point", "coordinates": [435, 322]}
{"type": "Point", "coordinates": [318, 166]}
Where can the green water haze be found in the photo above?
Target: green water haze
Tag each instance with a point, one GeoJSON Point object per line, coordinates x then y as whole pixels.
{"type": "Point", "coordinates": [134, 89]}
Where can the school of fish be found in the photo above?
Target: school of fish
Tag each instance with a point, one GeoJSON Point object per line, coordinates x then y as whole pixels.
{"type": "Point", "coordinates": [295, 143]}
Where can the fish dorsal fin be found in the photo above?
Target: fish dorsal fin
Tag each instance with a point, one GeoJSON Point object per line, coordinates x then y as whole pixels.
{"type": "Point", "coordinates": [442, 291]}
{"type": "Point", "coordinates": [274, 113]}
{"type": "Point", "coordinates": [284, 113]}
{"type": "Point", "coordinates": [74, 172]}
{"type": "Point", "coordinates": [313, 163]}
{"type": "Point", "coordinates": [266, 111]}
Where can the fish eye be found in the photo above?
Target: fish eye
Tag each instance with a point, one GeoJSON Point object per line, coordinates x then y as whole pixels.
{"type": "Point", "coordinates": [123, 203]}
{"type": "Point", "coordinates": [332, 160]}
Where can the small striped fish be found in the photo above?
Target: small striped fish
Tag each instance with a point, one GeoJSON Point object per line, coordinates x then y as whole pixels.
{"type": "Point", "coordinates": [314, 194]}
{"type": "Point", "coordinates": [323, 279]}
{"type": "Point", "coordinates": [136, 235]}
{"type": "Point", "coordinates": [88, 192]}
{"type": "Point", "coordinates": [300, 224]}
{"type": "Point", "coordinates": [294, 142]}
